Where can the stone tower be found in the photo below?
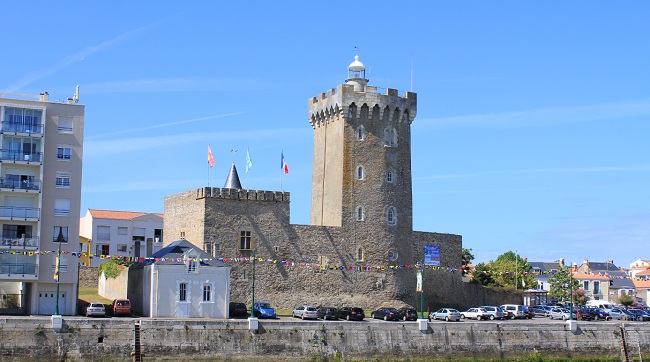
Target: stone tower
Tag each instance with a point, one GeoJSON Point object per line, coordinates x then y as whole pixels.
{"type": "Point", "coordinates": [362, 162]}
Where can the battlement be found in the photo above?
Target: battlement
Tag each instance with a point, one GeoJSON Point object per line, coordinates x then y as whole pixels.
{"type": "Point", "coordinates": [235, 194]}
{"type": "Point", "coordinates": [338, 102]}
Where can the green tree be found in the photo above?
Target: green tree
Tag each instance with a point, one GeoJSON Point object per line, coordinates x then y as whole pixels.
{"type": "Point", "coordinates": [511, 271]}
{"type": "Point", "coordinates": [482, 274]}
{"type": "Point", "coordinates": [559, 283]}
{"type": "Point", "coordinates": [626, 300]}
{"type": "Point", "coordinates": [467, 257]}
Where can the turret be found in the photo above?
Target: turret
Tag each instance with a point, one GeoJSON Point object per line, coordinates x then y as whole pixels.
{"type": "Point", "coordinates": [357, 75]}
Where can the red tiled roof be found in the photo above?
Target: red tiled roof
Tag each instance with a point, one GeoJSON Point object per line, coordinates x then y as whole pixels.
{"type": "Point", "coordinates": [645, 272]}
{"type": "Point", "coordinates": [118, 215]}
{"type": "Point", "coordinates": [642, 284]}
{"type": "Point", "coordinates": [589, 276]}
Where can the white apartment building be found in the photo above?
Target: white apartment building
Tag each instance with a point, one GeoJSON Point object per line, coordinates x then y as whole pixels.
{"type": "Point", "coordinates": [121, 233]}
{"type": "Point", "coordinates": [40, 192]}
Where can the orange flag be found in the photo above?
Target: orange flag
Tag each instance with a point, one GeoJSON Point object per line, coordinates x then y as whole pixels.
{"type": "Point", "coordinates": [210, 158]}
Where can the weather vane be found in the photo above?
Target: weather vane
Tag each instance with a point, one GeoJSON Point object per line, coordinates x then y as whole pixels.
{"type": "Point", "coordinates": [233, 150]}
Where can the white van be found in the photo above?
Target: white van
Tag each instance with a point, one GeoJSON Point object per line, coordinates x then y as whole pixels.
{"type": "Point", "coordinates": [600, 304]}
{"type": "Point", "coordinates": [517, 310]}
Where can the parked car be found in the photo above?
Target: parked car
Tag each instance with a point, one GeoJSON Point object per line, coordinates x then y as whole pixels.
{"type": "Point", "coordinates": [495, 312]}
{"type": "Point", "coordinates": [237, 310]}
{"type": "Point", "coordinates": [621, 314]}
{"type": "Point", "coordinates": [387, 314]}
{"type": "Point", "coordinates": [529, 312]}
{"type": "Point", "coordinates": [263, 310]}
{"type": "Point", "coordinates": [541, 310]}
{"type": "Point", "coordinates": [95, 309]}
{"type": "Point", "coordinates": [599, 313]}
{"type": "Point", "coordinates": [561, 313]}
{"type": "Point", "coordinates": [476, 313]}
{"type": "Point", "coordinates": [351, 313]}
{"type": "Point", "coordinates": [121, 307]}
{"type": "Point", "coordinates": [408, 314]}
{"type": "Point", "coordinates": [583, 313]}
{"type": "Point", "coordinates": [448, 314]}
{"type": "Point", "coordinates": [327, 313]}
{"type": "Point", "coordinates": [639, 314]}
{"type": "Point", "coordinates": [305, 312]}
{"type": "Point", "coordinates": [515, 311]}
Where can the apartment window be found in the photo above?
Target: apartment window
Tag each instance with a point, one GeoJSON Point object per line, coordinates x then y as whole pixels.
{"type": "Point", "coordinates": [121, 248]}
{"type": "Point", "coordinates": [360, 213]}
{"type": "Point", "coordinates": [60, 234]}
{"type": "Point", "coordinates": [361, 133]}
{"type": "Point", "coordinates": [245, 240]}
{"type": "Point", "coordinates": [391, 216]}
{"type": "Point", "coordinates": [63, 152]}
{"type": "Point", "coordinates": [121, 230]}
{"type": "Point", "coordinates": [207, 292]}
{"type": "Point", "coordinates": [360, 173]}
{"type": "Point", "coordinates": [63, 180]}
{"type": "Point", "coordinates": [103, 233]}
{"type": "Point", "coordinates": [389, 177]}
{"type": "Point", "coordinates": [61, 207]}
{"type": "Point", "coordinates": [585, 285]}
{"type": "Point", "coordinates": [65, 125]}
{"type": "Point", "coordinates": [83, 247]}
{"type": "Point", "coordinates": [103, 249]}
{"type": "Point", "coordinates": [192, 265]}
{"type": "Point", "coordinates": [182, 292]}
{"type": "Point", "coordinates": [596, 287]}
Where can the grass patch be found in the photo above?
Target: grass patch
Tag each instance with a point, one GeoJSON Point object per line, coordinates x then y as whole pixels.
{"type": "Point", "coordinates": [89, 294]}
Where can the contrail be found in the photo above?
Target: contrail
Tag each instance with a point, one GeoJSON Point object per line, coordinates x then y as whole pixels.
{"type": "Point", "coordinates": [132, 130]}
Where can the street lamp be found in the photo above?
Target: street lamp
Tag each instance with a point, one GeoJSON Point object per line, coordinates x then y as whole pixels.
{"type": "Point", "coordinates": [253, 288]}
{"type": "Point", "coordinates": [418, 288]}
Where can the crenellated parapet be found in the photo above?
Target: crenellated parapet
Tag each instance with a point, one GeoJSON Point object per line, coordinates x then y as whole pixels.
{"type": "Point", "coordinates": [343, 102]}
{"type": "Point", "coordinates": [241, 195]}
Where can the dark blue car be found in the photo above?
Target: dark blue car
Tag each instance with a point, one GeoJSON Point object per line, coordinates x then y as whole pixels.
{"type": "Point", "coordinates": [387, 314]}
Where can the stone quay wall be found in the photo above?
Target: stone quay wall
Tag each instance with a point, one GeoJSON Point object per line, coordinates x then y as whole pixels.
{"type": "Point", "coordinates": [96, 339]}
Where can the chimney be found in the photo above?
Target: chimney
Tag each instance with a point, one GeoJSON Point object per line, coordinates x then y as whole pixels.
{"type": "Point", "coordinates": [44, 97]}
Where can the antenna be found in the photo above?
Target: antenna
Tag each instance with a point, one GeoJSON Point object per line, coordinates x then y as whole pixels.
{"type": "Point", "coordinates": [75, 98]}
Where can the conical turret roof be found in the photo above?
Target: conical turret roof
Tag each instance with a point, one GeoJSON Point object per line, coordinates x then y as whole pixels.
{"type": "Point", "coordinates": [232, 182]}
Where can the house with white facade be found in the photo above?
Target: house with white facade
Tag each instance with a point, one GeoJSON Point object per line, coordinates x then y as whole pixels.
{"type": "Point", "coordinates": [180, 281]}
{"type": "Point", "coordinates": [639, 267]}
{"type": "Point", "coordinates": [121, 233]}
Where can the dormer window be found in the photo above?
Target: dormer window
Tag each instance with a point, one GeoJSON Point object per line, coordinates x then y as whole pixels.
{"type": "Point", "coordinates": [192, 265]}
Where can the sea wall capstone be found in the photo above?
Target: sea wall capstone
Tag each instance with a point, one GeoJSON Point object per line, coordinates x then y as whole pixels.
{"type": "Point", "coordinates": [97, 339]}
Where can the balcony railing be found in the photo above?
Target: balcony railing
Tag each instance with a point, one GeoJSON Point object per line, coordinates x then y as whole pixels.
{"type": "Point", "coordinates": [18, 268]}
{"type": "Point", "coordinates": [19, 242]}
{"type": "Point", "coordinates": [18, 184]}
{"type": "Point", "coordinates": [8, 155]}
{"type": "Point", "coordinates": [16, 212]}
{"type": "Point", "coordinates": [22, 127]}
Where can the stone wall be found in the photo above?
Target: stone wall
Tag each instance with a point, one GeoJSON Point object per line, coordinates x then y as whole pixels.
{"type": "Point", "coordinates": [88, 276]}
{"type": "Point", "coordinates": [92, 339]}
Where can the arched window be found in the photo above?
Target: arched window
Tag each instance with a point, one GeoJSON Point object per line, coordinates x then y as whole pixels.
{"type": "Point", "coordinates": [391, 216]}
{"type": "Point", "coordinates": [390, 137]}
{"type": "Point", "coordinates": [360, 173]}
{"type": "Point", "coordinates": [360, 213]}
{"type": "Point", "coordinates": [353, 111]}
{"type": "Point", "coordinates": [361, 133]}
{"type": "Point", "coordinates": [361, 254]}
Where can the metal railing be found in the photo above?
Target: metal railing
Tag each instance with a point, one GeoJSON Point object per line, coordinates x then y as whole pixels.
{"type": "Point", "coordinates": [19, 242]}
{"type": "Point", "coordinates": [18, 184]}
{"type": "Point", "coordinates": [10, 155]}
{"type": "Point", "coordinates": [16, 212]}
{"type": "Point", "coordinates": [18, 268]}
{"type": "Point", "coordinates": [34, 128]}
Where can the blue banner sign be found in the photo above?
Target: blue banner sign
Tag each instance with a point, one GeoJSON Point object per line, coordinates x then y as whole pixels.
{"type": "Point", "coordinates": [432, 255]}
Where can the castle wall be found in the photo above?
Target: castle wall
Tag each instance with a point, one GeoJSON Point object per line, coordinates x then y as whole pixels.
{"type": "Point", "coordinates": [184, 216]}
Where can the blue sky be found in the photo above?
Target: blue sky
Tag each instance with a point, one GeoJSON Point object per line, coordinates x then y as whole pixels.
{"type": "Point", "coordinates": [532, 132]}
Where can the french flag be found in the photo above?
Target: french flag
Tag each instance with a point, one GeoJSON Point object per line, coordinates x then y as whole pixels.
{"type": "Point", "coordinates": [284, 165]}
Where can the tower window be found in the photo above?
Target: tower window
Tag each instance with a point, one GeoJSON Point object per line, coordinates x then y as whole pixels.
{"type": "Point", "coordinates": [389, 176]}
{"type": "Point", "coordinates": [245, 240]}
{"type": "Point", "coordinates": [391, 216]}
{"type": "Point", "coordinates": [360, 173]}
{"type": "Point", "coordinates": [361, 133]}
{"type": "Point", "coordinates": [361, 254]}
{"type": "Point", "coordinates": [390, 137]}
{"type": "Point", "coordinates": [360, 213]}
{"type": "Point", "coordinates": [392, 255]}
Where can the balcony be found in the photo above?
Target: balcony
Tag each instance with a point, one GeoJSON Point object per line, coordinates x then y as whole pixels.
{"type": "Point", "coordinates": [13, 184]}
{"type": "Point", "coordinates": [20, 213]}
{"type": "Point", "coordinates": [18, 270]}
{"type": "Point", "coordinates": [26, 243]}
{"type": "Point", "coordinates": [20, 156]}
{"type": "Point", "coordinates": [19, 128]}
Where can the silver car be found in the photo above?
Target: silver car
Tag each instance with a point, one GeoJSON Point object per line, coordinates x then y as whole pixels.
{"type": "Point", "coordinates": [95, 309]}
{"type": "Point", "coordinates": [495, 312]}
{"type": "Point", "coordinates": [561, 313]}
{"type": "Point", "coordinates": [475, 313]}
{"type": "Point", "coordinates": [447, 314]}
{"type": "Point", "coordinates": [305, 312]}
